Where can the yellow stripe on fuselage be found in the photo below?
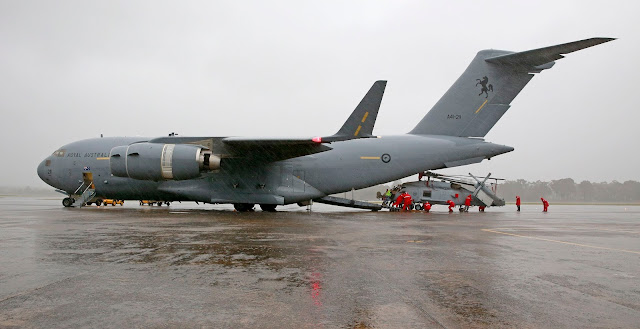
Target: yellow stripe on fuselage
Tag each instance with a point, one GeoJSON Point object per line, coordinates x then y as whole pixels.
{"type": "Point", "coordinates": [370, 158]}
{"type": "Point", "coordinates": [105, 158]}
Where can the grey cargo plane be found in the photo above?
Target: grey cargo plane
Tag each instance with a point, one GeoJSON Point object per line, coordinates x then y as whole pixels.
{"type": "Point", "coordinates": [279, 171]}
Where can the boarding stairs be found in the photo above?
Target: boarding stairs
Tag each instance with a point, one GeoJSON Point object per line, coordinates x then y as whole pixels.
{"type": "Point", "coordinates": [85, 192]}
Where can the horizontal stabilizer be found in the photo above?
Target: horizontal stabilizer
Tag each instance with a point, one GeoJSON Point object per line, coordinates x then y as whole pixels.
{"type": "Point", "coordinates": [545, 55]}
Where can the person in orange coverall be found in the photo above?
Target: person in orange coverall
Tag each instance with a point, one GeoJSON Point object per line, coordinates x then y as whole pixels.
{"type": "Point", "coordinates": [427, 206]}
{"type": "Point", "coordinates": [545, 204]}
{"type": "Point", "coordinates": [467, 203]}
{"type": "Point", "coordinates": [518, 202]}
{"type": "Point", "coordinates": [451, 205]}
{"type": "Point", "coordinates": [407, 201]}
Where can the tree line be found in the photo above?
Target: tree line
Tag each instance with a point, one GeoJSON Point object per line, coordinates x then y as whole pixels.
{"type": "Point", "coordinates": [567, 190]}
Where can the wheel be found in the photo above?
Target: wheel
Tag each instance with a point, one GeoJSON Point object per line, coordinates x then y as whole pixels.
{"type": "Point", "coordinates": [461, 209]}
{"type": "Point", "coordinates": [88, 203]}
{"type": "Point", "coordinates": [67, 202]}
{"type": "Point", "coordinates": [418, 207]}
{"type": "Point", "coordinates": [141, 203]}
{"type": "Point", "coordinates": [268, 207]}
{"type": "Point", "coordinates": [159, 204]}
{"type": "Point", "coordinates": [242, 207]}
{"type": "Point", "coordinates": [167, 203]}
{"type": "Point", "coordinates": [98, 202]}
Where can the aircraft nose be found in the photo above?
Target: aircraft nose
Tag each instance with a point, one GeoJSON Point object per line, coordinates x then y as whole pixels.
{"type": "Point", "coordinates": [41, 170]}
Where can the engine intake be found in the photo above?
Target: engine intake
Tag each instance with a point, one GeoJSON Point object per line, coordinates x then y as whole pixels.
{"type": "Point", "coordinates": [153, 161]}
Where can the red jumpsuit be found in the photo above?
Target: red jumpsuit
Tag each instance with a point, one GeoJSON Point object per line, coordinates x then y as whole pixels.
{"type": "Point", "coordinates": [427, 206]}
{"type": "Point", "coordinates": [518, 202]}
{"type": "Point", "coordinates": [399, 200]}
{"type": "Point", "coordinates": [481, 208]}
{"type": "Point", "coordinates": [467, 203]}
{"type": "Point", "coordinates": [545, 204]}
{"type": "Point", "coordinates": [407, 201]}
{"type": "Point", "coordinates": [451, 205]}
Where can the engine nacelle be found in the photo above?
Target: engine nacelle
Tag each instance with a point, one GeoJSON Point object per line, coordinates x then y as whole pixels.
{"type": "Point", "coordinates": [153, 161]}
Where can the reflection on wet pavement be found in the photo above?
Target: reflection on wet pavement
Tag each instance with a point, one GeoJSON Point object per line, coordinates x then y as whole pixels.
{"type": "Point", "coordinates": [189, 266]}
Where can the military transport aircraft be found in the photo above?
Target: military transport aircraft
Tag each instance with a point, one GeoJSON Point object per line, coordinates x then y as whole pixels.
{"type": "Point", "coordinates": [279, 171]}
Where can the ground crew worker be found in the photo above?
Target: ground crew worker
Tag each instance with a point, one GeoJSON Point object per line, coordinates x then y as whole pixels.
{"type": "Point", "coordinates": [545, 204]}
{"type": "Point", "coordinates": [518, 202]}
{"type": "Point", "coordinates": [467, 203]}
{"type": "Point", "coordinates": [451, 205]}
{"type": "Point", "coordinates": [426, 206]}
{"type": "Point", "coordinates": [407, 201]}
{"type": "Point", "coordinates": [481, 208]}
{"type": "Point", "coordinates": [399, 199]}
{"type": "Point", "coordinates": [387, 197]}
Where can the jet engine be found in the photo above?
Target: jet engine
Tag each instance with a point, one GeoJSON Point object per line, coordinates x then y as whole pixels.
{"type": "Point", "coordinates": [153, 161]}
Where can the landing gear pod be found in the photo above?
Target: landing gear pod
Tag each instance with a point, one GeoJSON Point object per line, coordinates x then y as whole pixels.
{"type": "Point", "coordinates": [153, 161]}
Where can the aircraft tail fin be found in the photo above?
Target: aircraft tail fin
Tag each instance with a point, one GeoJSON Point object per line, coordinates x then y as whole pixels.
{"type": "Point", "coordinates": [482, 94]}
{"type": "Point", "coordinates": [361, 121]}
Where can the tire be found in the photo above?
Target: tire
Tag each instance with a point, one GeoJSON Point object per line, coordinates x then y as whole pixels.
{"type": "Point", "coordinates": [159, 204]}
{"type": "Point", "coordinates": [418, 207]}
{"type": "Point", "coordinates": [268, 207]}
{"type": "Point", "coordinates": [67, 202]}
{"type": "Point", "coordinates": [141, 203]}
{"type": "Point", "coordinates": [243, 207]}
{"type": "Point", "coordinates": [98, 202]}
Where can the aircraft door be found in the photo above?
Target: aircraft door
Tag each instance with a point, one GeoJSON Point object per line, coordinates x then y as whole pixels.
{"type": "Point", "coordinates": [298, 181]}
{"type": "Point", "coordinates": [286, 181]}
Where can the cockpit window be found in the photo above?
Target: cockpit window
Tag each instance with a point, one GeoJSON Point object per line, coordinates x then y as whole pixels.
{"type": "Point", "coordinates": [59, 153]}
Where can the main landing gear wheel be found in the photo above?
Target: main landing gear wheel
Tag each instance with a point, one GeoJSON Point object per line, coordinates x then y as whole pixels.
{"type": "Point", "coordinates": [98, 203]}
{"type": "Point", "coordinates": [418, 207]}
{"type": "Point", "coordinates": [243, 207]}
{"type": "Point", "coordinates": [67, 202]}
{"type": "Point", "coordinates": [268, 207]}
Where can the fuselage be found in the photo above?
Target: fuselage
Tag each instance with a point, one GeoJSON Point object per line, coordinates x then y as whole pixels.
{"type": "Point", "coordinates": [351, 164]}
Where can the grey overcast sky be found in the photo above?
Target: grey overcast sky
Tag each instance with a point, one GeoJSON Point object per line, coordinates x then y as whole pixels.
{"type": "Point", "coordinates": [71, 70]}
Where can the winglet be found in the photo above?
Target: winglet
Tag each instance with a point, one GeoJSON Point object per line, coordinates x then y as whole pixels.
{"type": "Point", "coordinates": [361, 121]}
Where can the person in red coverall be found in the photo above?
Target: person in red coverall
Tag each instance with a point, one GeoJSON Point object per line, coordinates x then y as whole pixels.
{"type": "Point", "coordinates": [545, 204]}
{"type": "Point", "coordinates": [451, 205]}
{"type": "Point", "coordinates": [407, 201]}
{"type": "Point", "coordinates": [399, 199]}
{"type": "Point", "coordinates": [518, 202]}
{"type": "Point", "coordinates": [427, 206]}
{"type": "Point", "coordinates": [481, 208]}
{"type": "Point", "coordinates": [467, 203]}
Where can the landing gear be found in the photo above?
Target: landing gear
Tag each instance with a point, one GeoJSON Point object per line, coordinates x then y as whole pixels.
{"type": "Point", "coordinates": [418, 207]}
{"type": "Point", "coordinates": [268, 207]}
{"type": "Point", "coordinates": [67, 202]}
{"type": "Point", "coordinates": [98, 202]}
{"type": "Point", "coordinates": [243, 207]}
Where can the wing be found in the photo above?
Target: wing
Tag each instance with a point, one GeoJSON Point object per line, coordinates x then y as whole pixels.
{"type": "Point", "coordinates": [253, 149]}
{"type": "Point", "coordinates": [272, 149]}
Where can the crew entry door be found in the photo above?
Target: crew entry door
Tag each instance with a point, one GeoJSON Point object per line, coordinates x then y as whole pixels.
{"type": "Point", "coordinates": [298, 181]}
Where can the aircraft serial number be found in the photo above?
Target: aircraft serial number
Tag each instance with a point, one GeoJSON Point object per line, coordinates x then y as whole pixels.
{"type": "Point", "coordinates": [454, 116]}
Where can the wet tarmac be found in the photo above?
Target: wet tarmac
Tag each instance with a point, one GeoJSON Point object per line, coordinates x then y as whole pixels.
{"type": "Point", "coordinates": [194, 266]}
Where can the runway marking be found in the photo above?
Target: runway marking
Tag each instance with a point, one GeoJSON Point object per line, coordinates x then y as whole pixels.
{"type": "Point", "coordinates": [563, 242]}
{"type": "Point", "coordinates": [481, 106]}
